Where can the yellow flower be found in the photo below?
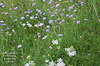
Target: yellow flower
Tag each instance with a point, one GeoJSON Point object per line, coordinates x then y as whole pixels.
{"type": "Point", "coordinates": [58, 47]}
{"type": "Point", "coordinates": [28, 57]}
{"type": "Point", "coordinates": [71, 48]}
{"type": "Point", "coordinates": [33, 64]}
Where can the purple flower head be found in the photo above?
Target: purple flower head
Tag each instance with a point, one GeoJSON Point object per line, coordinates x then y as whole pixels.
{"type": "Point", "coordinates": [78, 22]}
{"type": "Point", "coordinates": [67, 15]}
{"type": "Point", "coordinates": [52, 15]}
{"type": "Point", "coordinates": [62, 14]}
{"type": "Point", "coordinates": [2, 30]}
{"type": "Point", "coordinates": [12, 4]}
{"type": "Point", "coordinates": [1, 21]}
{"type": "Point", "coordinates": [63, 20]}
{"type": "Point", "coordinates": [52, 7]}
{"type": "Point", "coordinates": [3, 24]}
{"type": "Point", "coordinates": [82, 3]}
{"type": "Point", "coordinates": [50, 2]}
{"type": "Point", "coordinates": [60, 34]}
{"type": "Point", "coordinates": [7, 28]}
{"type": "Point", "coordinates": [86, 19]}
{"type": "Point", "coordinates": [41, 24]}
{"type": "Point", "coordinates": [40, 12]}
{"type": "Point", "coordinates": [60, 22]}
{"type": "Point", "coordinates": [9, 34]}
{"type": "Point", "coordinates": [3, 12]}
{"type": "Point", "coordinates": [64, 9]}
{"type": "Point", "coordinates": [36, 17]}
{"type": "Point", "coordinates": [71, 0]}
{"type": "Point", "coordinates": [33, 4]}
{"type": "Point", "coordinates": [43, 13]}
{"type": "Point", "coordinates": [11, 16]}
{"type": "Point", "coordinates": [47, 26]}
{"type": "Point", "coordinates": [59, 0]}
{"type": "Point", "coordinates": [71, 16]}
{"type": "Point", "coordinates": [32, 0]}
{"type": "Point", "coordinates": [38, 34]}
{"type": "Point", "coordinates": [89, 54]}
{"type": "Point", "coordinates": [44, 18]}
{"type": "Point", "coordinates": [50, 21]}
{"type": "Point", "coordinates": [37, 9]}
{"type": "Point", "coordinates": [22, 18]}
{"type": "Point", "coordinates": [13, 30]}
{"type": "Point", "coordinates": [50, 47]}
{"type": "Point", "coordinates": [19, 46]}
{"type": "Point", "coordinates": [75, 10]}
{"type": "Point", "coordinates": [47, 30]}
{"type": "Point", "coordinates": [43, 0]}
{"type": "Point", "coordinates": [1, 4]}
{"type": "Point", "coordinates": [15, 20]}
{"type": "Point", "coordinates": [57, 5]}
{"type": "Point", "coordinates": [47, 9]}
{"type": "Point", "coordinates": [55, 12]}
{"type": "Point", "coordinates": [10, 8]}
{"type": "Point", "coordinates": [6, 13]}
{"type": "Point", "coordinates": [15, 8]}
{"type": "Point", "coordinates": [58, 19]}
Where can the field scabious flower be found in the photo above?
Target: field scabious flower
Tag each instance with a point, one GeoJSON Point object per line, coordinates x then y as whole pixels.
{"type": "Point", "coordinates": [50, 21]}
{"type": "Point", "coordinates": [44, 18]}
{"type": "Point", "coordinates": [19, 46]}
{"type": "Point", "coordinates": [78, 22]}
{"type": "Point", "coordinates": [60, 34]}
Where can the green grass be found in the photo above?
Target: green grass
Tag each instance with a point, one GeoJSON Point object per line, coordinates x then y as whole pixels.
{"type": "Point", "coordinates": [84, 37]}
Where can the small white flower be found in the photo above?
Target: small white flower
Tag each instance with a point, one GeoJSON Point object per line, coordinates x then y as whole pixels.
{"type": "Point", "coordinates": [51, 63]}
{"type": "Point", "coordinates": [44, 37]}
{"type": "Point", "coordinates": [23, 24]}
{"type": "Point", "coordinates": [59, 60]}
{"type": "Point", "coordinates": [27, 64]}
{"type": "Point", "coordinates": [46, 61]}
{"type": "Point", "coordinates": [60, 64]}
{"type": "Point", "coordinates": [36, 25]}
{"type": "Point", "coordinates": [71, 51]}
{"type": "Point", "coordinates": [55, 42]}
{"type": "Point", "coordinates": [30, 62]}
{"type": "Point", "coordinates": [32, 17]}
{"type": "Point", "coordinates": [29, 25]}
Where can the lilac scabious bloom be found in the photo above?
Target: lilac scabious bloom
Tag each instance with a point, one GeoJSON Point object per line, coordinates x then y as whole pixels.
{"type": "Point", "coordinates": [15, 20]}
{"type": "Point", "coordinates": [47, 9]}
{"type": "Point", "coordinates": [86, 19]}
{"type": "Point", "coordinates": [1, 21]}
{"type": "Point", "coordinates": [47, 26]}
{"type": "Point", "coordinates": [2, 30]}
{"type": "Point", "coordinates": [41, 24]}
{"type": "Point", "coordinates": [52, 7]}
{"type": "Point", "coordinates": [60, 22]}
{"type": "Point", "coordinates": [50, 21]}
{"type": "Point", "coordinates": [10, 34]}
{"type": "Point", "coordinates": [12, 4]}
{"type": "Point", "coordinates": [59, 0]}
{"type": "Point", "coordinates": [37, 9]}
{"type": "Point", "coordinates": [62, 14]}
{"type": "Point", "coordinates": [33, 4]}
{"type": "Point", "coordinates": [3, 24]}
{"type": "Point", "coordinates": [55, 12]}
{"type": "Point", "coordinates": [78, 22]}
{"type": "Point", "coordinates": [22, 18]}
{"type": "Point", "coordinates": [71, 0]}
{"type": "Point", "coordinates": [11, 16]}
{"type": "Point", "coordinates": [6, 12]}
{"type": "Point", "coordinates": [43, 0]}
{"type": "Point", "coordinates": [3, 12]}
{"type": "Point", "coordinates": [67, 15]}
{"type": "Point", "coordinates": [58, 19]}
{"type": "Point", "coordinates": [57, 5]}
{"type": "Point", "coordinates": [69, 9]}
{"type": "Point", "coordinates": [64, 9]}
{"type": "Point", "coordinates": [44, 18]}
{"type": "Point", "coordinates": [47, 30]}
{"type": "Point", "coordinates": [71, 16]}
{"type": "Point", "coordinates": [27, 15]}
{"type": "Point", "coordinates": [1, 4]}
{"type": "Point", "coordinates": [60, 34]}
{"type": "Point", "coordinates": [36, 17]}
{"type": "Point", "coordinates": [75, 10]}
{"type": "Point", "coordinates": [63, 20]}
{"type": "Point", "coordinates": [40, 12]}
{"type": "Point", "coordinates": [15, 8]}
{"type": "Point", "coordinates": [52, 15]}
{"type": "Point", "coordinates": [19, 46]}
{"type": "Point", "coordinates": [50, 2]}
{"type": "Point", "coordinates": [82, 3]}
{"type": "Point", "coordinates": [10, 8]}
{"type": "Point", "coordinates": [43, 13]}
{"type": "Point", "coordinates": [7, 28]}
{"type": "Point", "coordinates": [32, 0]}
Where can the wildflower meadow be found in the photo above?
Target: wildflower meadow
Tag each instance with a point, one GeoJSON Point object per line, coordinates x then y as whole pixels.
{"type": "Point", "coordinates": [49, 32]}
